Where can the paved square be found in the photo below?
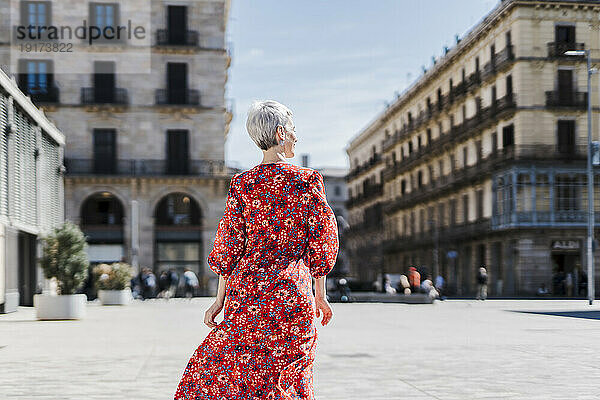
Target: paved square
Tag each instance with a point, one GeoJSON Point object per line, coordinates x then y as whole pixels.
{"type": "Point", "coordinates": [449, 350]}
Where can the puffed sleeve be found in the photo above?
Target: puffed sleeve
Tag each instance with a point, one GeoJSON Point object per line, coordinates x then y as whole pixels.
{"type": "Point", "coordinates": [323, 241]}
{"type": "Point", "coordinates": [230, 238]}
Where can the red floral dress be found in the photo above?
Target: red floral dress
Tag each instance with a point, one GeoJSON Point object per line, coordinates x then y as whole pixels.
{"type": "Point", "coordinates": [276, 232]}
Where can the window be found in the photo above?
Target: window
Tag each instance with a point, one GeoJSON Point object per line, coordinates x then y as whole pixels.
{"type": "Point", "coordinates": [564, 34]}
{"type": "Point", "coordinates": [465, 205]}
{"type": "Point", "coordinates": [508, 135]}
{"type": "Point", "coordinates": [476, 64]}
{"type": "Point", "coordinates": [105, 151]}
{"type": "Point", "coordinates": [422, 220]}
{"type": "Point", "coordinates": [509, 85]}
{"type": "Point", "coordinates": [441, 215]}
{"type": "Point", "coordinates": [478, 104]}
{"type": "Point", "coordinates": [419, 142]}
{"type": "Point", "coordinates": [410, 147]}
{"type": "Point", "coordinates": [177, 152]}
{"type": "Point", "coordinates": [479, 150]}
{"type": "Point", "coordinates": [542, 193]}
{"type": "Point", "coordinates": [452, 221]}
{"type": "Point", "coordinates": [177, 24]}
{"type": "Point", "coordinates": [337, 190]}
{"type": "Point", "coordinates": [568, 192]}
{"type": "Point", "coordinates": [494, 143]}
{"type": "Point", "coordinates": [508, 39]}
{"type": "Point", "coordinates": [566, 137]}
{"type": "Point", "coordinates": [36, 14]}
{"type": "Point", "coordinates": [403, 186]}
{"type": "Point", "coordinates": [441, 167]}
{"type": "Point", "coordinates": [36, 76]}
{"type": "Point", "coordinates": [419, 178]}
{"type": "Point", "coordinates": [452, 162]}
{"type": "Point", "coordinates": [428, 137]}
{"type": "Point", "coordinates": [479, 199]}
{"type": "Point", "coordinates": [463, 75]}
{"type": "Point", "coordinates": [493, 53]}
{"type": "Point", "coordinates": [465, 156]}
{"type": "Point", "coordinates": [494, 94]}
{"type": "Point", "coordinates": [105, 15]}
{"type": "Point", "coordinates": [524, 193]}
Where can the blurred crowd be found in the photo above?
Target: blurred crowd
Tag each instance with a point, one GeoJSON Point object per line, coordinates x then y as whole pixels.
{"type": "Point", "coordinates": [169, 283]}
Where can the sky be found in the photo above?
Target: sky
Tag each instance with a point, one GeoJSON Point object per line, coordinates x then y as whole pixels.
{"type": "Point", "coordinates": [334, 63]}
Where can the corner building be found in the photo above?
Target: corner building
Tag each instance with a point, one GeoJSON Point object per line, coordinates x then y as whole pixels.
{"type": "Point", "coordinates": [483, 159]}
{"type": "Point", "coordinates": [145, 173]}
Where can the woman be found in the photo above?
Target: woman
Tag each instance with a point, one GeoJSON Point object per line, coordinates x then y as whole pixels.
{"type": "Point", "coordinates": [276, 232]}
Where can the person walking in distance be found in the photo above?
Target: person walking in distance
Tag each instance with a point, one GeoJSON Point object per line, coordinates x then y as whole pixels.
{"type": "Point", "coordinates": [277, 233]}
{"type": "Point", "coordinates": [482, 282]}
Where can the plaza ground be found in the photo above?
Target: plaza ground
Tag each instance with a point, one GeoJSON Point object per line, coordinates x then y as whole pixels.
{"type": "Point", "coordinates": [457, 349]}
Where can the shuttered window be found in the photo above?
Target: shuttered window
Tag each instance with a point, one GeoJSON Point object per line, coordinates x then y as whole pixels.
{"type": "Point", "coordinates": [50, 183]}
{"type": "Point", "coordinates": [3, 156]}
{"type": "Point", "coordinates": [24, 170]}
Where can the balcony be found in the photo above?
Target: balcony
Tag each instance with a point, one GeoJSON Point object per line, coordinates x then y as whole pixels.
{"type": "Point", "coordinates": [558, 49]}
{"type": "Point", "coordinates": [557, 99]}
{"type": "Point", "coordinates": [542, 153]}
{"type": "Point", "coordinates": [369, 193]}
{"type": "Point", "coordinates": [371, 162]}
{"type": "Point", "coordinates": [166, 37]}
{"type": "Point", "coordinates": [474, 81]}
{"type": "Point", "coordinates": [43, 95]}
{"type": "Point", "coordinates": [181, 96]}
{"type": "Point", "coordinates": [143, 167]}
{"type": "Point", "coordinates": [104, 95]}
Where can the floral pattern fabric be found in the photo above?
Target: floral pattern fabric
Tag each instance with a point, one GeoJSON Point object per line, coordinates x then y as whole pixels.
{"type": "Point", "coordinates": [276, 232]}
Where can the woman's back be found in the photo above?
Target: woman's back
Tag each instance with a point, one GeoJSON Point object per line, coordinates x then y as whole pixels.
{"type": "Point", "coordinates": [279, 214]}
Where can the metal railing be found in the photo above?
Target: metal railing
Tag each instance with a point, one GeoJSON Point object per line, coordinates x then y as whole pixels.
{"type": "Point", "coordinates": [183, 96]}
{"type": "Point", "coordinates": [104, 95]}
{"type": "Point", "coordinates": [558, 49]}
{"type": "Point", "coordinates": [165, 37]}
{"type": "Point", "coordinates": [556, 98]}
{"type": "Point", "coordinates": [144, 167]}
{"type": "Point", "coordinates": [44, 95]}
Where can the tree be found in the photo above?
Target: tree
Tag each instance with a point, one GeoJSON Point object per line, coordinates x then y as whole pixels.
{"type": "Point", "coordinates": [64, 257]}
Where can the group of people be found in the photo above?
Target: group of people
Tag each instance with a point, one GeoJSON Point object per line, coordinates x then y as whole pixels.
{"type": "Point", "coordinates": [569, 284]}
{"type": "Point", "coordinates": [169, 284]}
{"type": "Point", "coordinates": [413, 284]}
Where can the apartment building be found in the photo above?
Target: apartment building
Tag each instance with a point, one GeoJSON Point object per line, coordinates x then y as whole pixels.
{"type": "Point", "coordinates": [483, 159]}
{"type": "Point", "coordinates": [145, 121]}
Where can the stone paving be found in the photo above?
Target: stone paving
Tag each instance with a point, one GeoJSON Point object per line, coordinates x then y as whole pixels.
{"type": "Point", "coordinates": [457, 349]}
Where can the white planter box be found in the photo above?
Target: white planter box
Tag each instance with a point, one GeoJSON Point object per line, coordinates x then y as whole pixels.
{"type": "Point", "coordinates": [68, 306]}
{"type": "Point", "coordinates": [115, 297]}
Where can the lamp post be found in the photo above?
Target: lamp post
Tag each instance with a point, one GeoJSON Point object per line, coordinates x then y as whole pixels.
{"type": "Point", "coordinates": [590, 174]}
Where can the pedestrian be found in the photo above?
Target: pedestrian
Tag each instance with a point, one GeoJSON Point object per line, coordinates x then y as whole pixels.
{"type": "Point", "coordinates": [388, 285]}
{"type": "Point", "coordinates": [191, 283]}
{"type": "Point", "coordinates": [174, 282]}
{"type": "Point", "coordinates": [404, 284]}
{"type": "Point", "coordinates": [569, 284]}
{"type": "Point", "coordinates": [482, 282]}
{"type": "Point", "coordinates": [148, 283]}
{"type": "Point", "coordinates": [164, 281]}
{"type": "Point", "coordinates": [414, 277]}
{"type": "Point", "coordinates": [428, 288]}
{"type": "Point", "coordinates": [439, 286]}
{"type": "Point", "coordinates": [277, 232]}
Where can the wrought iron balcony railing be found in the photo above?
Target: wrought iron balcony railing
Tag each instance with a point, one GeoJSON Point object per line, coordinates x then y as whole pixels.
{"type": "Point", "coordinates": [43, 95]}
{"type": "Point", "coordinates": [104, 95]}
{"type": "Point", "coordinates": [556, 98]}
{"type": "Point", "coordinates": [181, 96]}
{"type": "Point", "coordinates": [144, 167]}
{"type": "Point", "coordinates": [167, 37]}
{"type": "Point", "coordinates": [558, 49]}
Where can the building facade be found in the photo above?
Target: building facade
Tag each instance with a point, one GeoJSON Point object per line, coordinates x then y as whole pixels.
{"type": "Point", "coordinates": [145, 173]}
{"type": "Point", "coordinates": [483, 160]}
{"type": "Point", "coordinates": [31, 193]}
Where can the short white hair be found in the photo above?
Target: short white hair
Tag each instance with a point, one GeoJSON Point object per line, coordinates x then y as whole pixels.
{"type": "Point", "coordinates": [263, 119]}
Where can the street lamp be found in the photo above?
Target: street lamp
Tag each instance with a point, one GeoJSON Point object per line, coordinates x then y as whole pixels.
{"type": "Point", "coordinates": [590, 175]}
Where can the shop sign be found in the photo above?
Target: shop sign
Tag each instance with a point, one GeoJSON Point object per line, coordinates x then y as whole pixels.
{"type": "Point", "coordinates": [565, 245]}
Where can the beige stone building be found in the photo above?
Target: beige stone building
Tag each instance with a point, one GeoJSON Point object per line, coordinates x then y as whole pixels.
{"type": "Point", "coordinates": [145, 123]}
{"type": "Point", "coordinates": [483, 159]}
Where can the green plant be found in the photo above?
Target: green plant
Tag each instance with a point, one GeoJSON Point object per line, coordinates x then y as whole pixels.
{"type": "Point", "coordinates": [116, 276]}
{"type": "Point", "coordinates": [64, 257]}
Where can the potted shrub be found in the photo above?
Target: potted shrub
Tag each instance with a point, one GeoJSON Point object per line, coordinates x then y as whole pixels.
{"type": "Point", "coordinates": [64, 260]}
{"type": "Point", "coordinates": [113, 283]}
